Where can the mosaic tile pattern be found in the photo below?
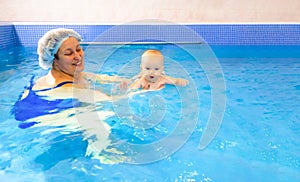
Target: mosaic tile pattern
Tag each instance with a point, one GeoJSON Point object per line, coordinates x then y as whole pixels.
{"type": "Point", "coordinates": [213, 34]}
{"type": "Point", "coordinates": [8, 37]}
{"type": "Point", "coordinates": [250, 34]}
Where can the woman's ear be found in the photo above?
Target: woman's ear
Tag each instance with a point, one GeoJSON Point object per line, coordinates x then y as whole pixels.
{"type": "Point", "coordinates": [54, 64]}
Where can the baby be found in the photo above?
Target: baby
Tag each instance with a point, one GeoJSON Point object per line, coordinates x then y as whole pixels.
{"type": "Point", "coordinates": [152, 75]}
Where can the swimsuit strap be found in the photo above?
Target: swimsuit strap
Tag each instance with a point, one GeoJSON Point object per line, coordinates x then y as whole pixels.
{"type": "Point", "coordinates": [31, 83]}
{"type": "Point", "coordinates": [58, 85]}
{"type": "Point", "coordinates": [30, 86]}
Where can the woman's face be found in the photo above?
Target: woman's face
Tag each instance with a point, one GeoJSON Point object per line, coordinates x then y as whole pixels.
{"type": "Point", "coordinates": [70, 57]}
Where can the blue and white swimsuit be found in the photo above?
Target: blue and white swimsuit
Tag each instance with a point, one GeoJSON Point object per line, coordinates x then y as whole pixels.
{"type": "Point", "coordinates": [35, 105]}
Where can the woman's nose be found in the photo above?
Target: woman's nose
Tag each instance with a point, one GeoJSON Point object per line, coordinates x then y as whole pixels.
{"type": "Point", "coordinates": [77, 55]}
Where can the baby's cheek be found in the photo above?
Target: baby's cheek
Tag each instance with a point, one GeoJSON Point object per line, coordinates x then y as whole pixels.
{"type": "Point", "coordinates": [158, 74]}
{"type": "Point", "coordinates": [144, 72]}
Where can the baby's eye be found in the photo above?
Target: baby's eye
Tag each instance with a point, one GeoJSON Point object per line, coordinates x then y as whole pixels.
{"type": "Point", "coordinates": [147, 68]}
{"type": "Point", "coordinates": [156, 69]}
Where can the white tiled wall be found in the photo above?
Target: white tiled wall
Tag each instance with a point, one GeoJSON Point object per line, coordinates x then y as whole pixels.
{"type": "Point", "coordinates": [123, 11]}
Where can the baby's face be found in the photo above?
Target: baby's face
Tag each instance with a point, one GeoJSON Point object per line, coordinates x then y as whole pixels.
{"type": "Point", "coordinates": [152, 67]}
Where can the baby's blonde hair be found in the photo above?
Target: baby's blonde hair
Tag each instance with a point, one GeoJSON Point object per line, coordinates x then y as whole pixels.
{"type": "Point", "coordinates": [151, 52]}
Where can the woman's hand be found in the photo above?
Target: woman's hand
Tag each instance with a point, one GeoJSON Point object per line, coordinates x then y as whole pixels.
{"type": "Point", "coordinates": [176, 81]}
{"type": "Point", "coordinates": [123, 85]}
{"type": "Point", "coordinates": [181, 82]}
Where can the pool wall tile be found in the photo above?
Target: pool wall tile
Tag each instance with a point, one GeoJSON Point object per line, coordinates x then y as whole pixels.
{"type": "Point", "coordinates": [250, 34]}
{"type": "Point", "coordinates": [8, 36]}
{"type": "Point", "coordinates": [213, 34]}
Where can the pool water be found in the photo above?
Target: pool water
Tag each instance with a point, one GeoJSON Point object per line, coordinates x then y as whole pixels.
{"type": "Point", "coordinates": [258, 139]}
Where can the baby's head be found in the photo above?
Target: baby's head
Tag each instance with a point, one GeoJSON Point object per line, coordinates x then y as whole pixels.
{"type": "Point", "coordinates": [152, 65]}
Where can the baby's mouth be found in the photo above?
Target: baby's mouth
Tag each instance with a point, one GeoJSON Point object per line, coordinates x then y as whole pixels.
{"type": "Point", "coordinates": [152, 78]}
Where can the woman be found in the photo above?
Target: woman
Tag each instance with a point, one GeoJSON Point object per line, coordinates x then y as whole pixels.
{"type": "Point", "coordinates": [60, 50]}
{"type": "Point", "coordinates": [65, 86]}
{"type": "Point", "coordinates": [62, 98]}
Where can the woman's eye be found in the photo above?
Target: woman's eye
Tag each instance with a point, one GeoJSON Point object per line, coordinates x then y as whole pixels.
{"type": "Point", "coordinates": [68, 53]}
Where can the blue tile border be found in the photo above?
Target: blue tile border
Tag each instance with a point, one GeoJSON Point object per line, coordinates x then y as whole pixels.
{"type": "Point", "coordinates": [8, 36]}
{"type": "Point", "coordinates": [213, 34]}
{"type": "Point", "coordinates": [250, 34]}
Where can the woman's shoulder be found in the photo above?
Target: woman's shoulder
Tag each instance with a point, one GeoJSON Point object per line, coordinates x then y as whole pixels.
{"type": "Point", "coordinates": [48, 82]}
{"type": "Point", "coordinates": [41, 83]}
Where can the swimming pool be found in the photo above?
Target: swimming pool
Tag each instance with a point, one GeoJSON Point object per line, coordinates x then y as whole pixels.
{"type": "Point", "coordinates": [258, 139]}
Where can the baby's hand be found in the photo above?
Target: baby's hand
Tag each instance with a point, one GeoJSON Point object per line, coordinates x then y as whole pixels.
{"type": "Point", "coordinates": [181, 82]}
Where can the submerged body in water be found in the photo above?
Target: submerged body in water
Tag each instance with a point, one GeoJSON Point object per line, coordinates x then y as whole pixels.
{"type": "Point", "coordinates": [35, 108]}
{"type": "Point", "coordinates": [31, 105]}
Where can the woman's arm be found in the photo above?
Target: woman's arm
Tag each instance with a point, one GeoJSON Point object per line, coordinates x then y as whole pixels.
{"type": "Point", "coordinates": [104, 78]}
{"type": "Point", "coordinates": [107, 78]}
{"type": "Point", "coordinates": [176, 81]}
{"type": "Point", "coordinates": [136, 84]}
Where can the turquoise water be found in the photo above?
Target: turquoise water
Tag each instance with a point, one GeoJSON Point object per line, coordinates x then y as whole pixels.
{"type": "Point", "coordinates": [258, 139]}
